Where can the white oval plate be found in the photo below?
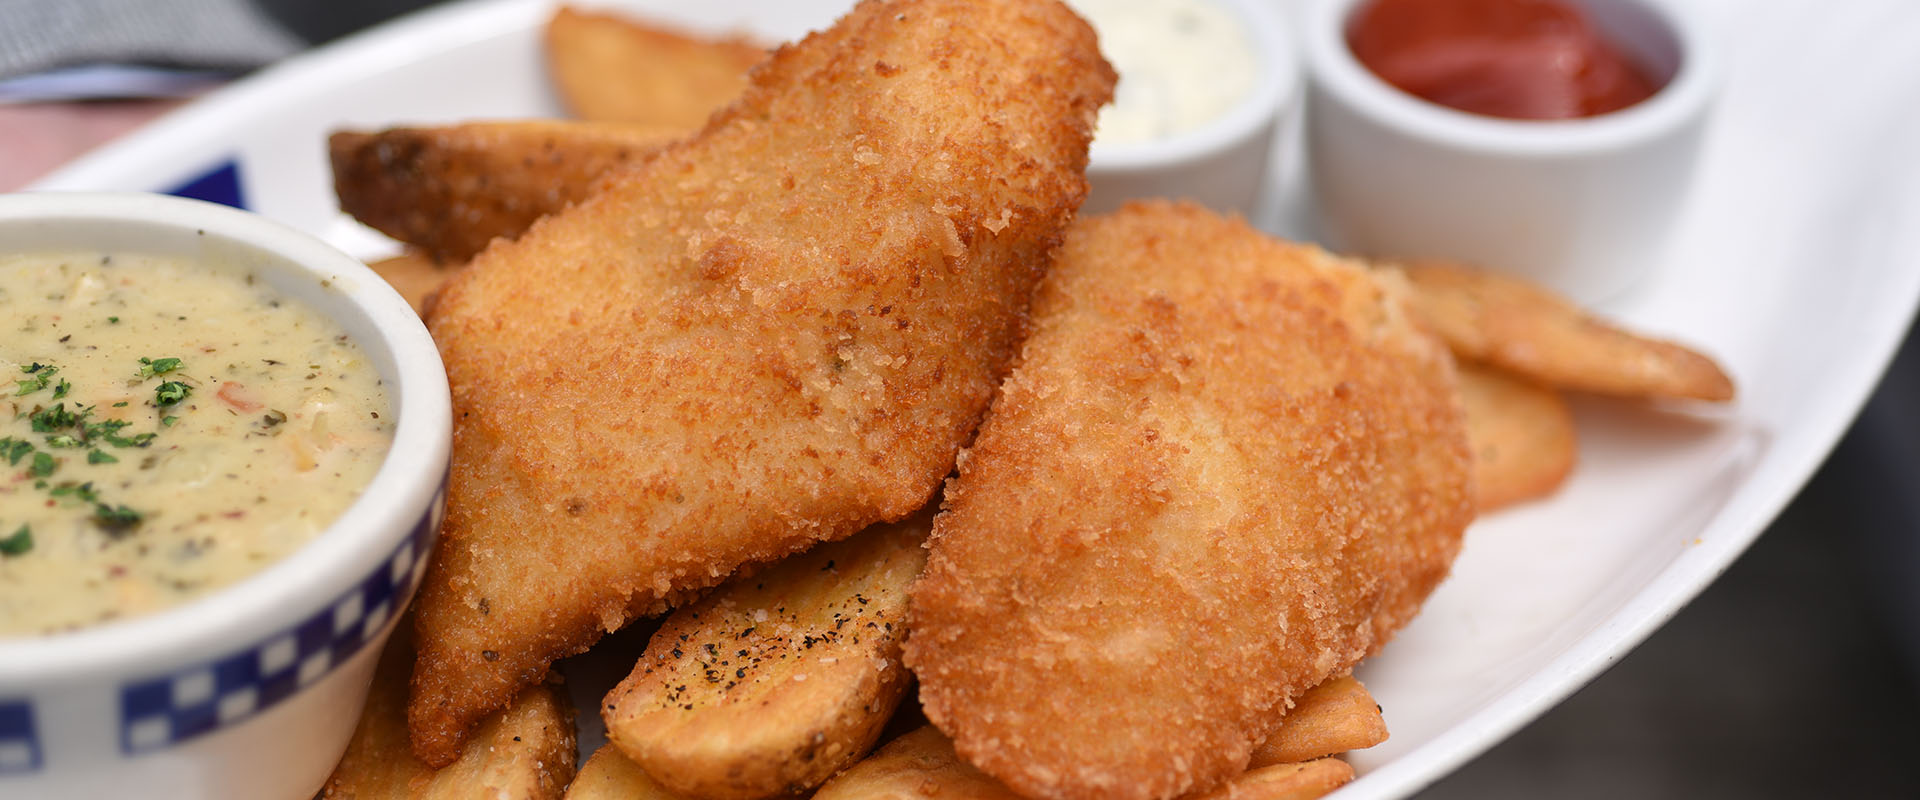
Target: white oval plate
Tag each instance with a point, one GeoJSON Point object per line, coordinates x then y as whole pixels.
{"type": "Point", "coordinates": [1797, 264]}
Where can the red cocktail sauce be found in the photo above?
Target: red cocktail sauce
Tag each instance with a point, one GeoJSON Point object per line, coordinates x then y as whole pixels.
{"type": "Point", "coordinates": [1520, 59]}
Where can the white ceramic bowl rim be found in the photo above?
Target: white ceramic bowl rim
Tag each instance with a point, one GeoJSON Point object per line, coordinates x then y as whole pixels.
{"type": "Point", "coordinates": [354, 546]}
{"type": "Point", "coordinates": [1336, 70]}
{"type": "Point", "coordinates": [1276, 81]}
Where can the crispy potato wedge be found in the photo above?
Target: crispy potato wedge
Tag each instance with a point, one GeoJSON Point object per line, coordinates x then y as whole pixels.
{"type": "Point", "coordinates": [610, 775]}
{"type": "Point", "coordinates": [618, 69]}
{"type": "Point", "coordinates": [523, 752]}
{"type": "Point", "coordinates": [778, 679]}
{"type": "Point", "coordinates": [415, 275]}
{"type": "Point", "coordinates": [451, 190]}
{"type": "Point", "coordinates": [1527, 330]}
{"type": "Point", "coordinates": [1303, 781]}
{"type": "Point", "coordinates": [920, 764]}
{"type": "Point", "coordinates": [1331, 718]}
{"type": "Point", "coordinates": [1522, 434]}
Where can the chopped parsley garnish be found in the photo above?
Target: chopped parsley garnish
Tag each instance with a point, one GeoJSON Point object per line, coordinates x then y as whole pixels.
{"type": "Point", "coordinates": [101, 457]}
{"type": "Point", "coordinates": [62, 440]}
{"type": "Point", "coordinates": [17, 543]}
{"type": "Point", "coordinates": [150, 367]}
{"type": "Point", "coordinates": [113, 320]}
{"type": "Point", "coordinates": [171, 392]}
{"type": "Point", "coordinates": [83, 491]}
{"type": "Point", "coordinates": [60, 389]}
{"type": "Point", "coordinates": [42, 375]}
{"type": "Point", "coordinates": [48, 420]}
{"type": "Point", "coordinates": [15, 449]}
{"type": "Point", "coordinates": [43, 465]}
{"type": "Point", "coordinates": [109, 431]}
{"type": "Point", "coordinates": [167, 422]}
{"type": "Point", "coordinates": [116, 519]}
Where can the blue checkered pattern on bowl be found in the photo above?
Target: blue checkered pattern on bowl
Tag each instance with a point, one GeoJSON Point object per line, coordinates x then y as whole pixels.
{"type": "Point", "coordinates": [19, 745]}
{"type": "Point", "coordinates": [161, 711]}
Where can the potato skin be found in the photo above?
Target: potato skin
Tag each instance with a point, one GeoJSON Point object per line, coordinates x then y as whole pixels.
{"type": "Point", "coordinates": [778, 679]}
{"type": "Point", "coordinates": [613, 68]}
{"type": "Point", "coordinates": [610, 775]}
{"type": "Point", "coordinates": [451, 190]}
{"type": "Point", "coordinates": [1533, 333]}
{"type": "Point", "coordinates": [523, 752]}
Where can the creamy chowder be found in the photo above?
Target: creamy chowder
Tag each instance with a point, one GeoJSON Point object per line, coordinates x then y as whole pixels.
{"type": "Point", "coordinates": [166, 428]}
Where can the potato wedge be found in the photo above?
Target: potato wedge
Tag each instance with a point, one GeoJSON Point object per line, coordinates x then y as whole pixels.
{"type": "Point", "coordinates": [1527, 330]}
{"type": "Point", "coordinates": [920, 764]}
{"type": "Point", "coordinates": [618, 69]}
{"type": "Point", "coordinates": [610, 775]}
{"type": "Point", "coordinates": [1331, 718]}
{"type": "Point", "coordinates": [779, 678]}
{"type": "Point", "coordinates": [523, 752]}
{"type": "Point", "coordinates": [451, 190]}
{"type": "Point", "coordinates": [1303, 781]}
{"type": "Point", "coordinates": [415, 275]}
{"type": "Point", "coordinates": [1523, 438]}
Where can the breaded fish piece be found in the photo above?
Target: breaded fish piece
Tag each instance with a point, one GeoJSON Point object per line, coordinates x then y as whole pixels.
{"type": "Point", "coordinates": [774, 333]}
{"type": "Point", "coordinates": [1225, 469]}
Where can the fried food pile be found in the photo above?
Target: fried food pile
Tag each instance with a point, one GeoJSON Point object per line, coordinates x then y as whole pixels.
{"type": "Point", "coordinates": [724, 370]}
{"type": "Point", "coordinates": [773, 333]}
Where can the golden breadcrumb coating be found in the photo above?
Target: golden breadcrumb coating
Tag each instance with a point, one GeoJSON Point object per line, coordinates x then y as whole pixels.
{"type": "Point", "coordinates": [1225, 469]}
{"type": "Point", "coordinates": [776, 332]}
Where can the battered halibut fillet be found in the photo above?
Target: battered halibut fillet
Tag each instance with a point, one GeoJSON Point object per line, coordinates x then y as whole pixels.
{"type": "Point", "coordinates": [1225, 469]}
{"type": "Point", "coordinates": [776, 332]}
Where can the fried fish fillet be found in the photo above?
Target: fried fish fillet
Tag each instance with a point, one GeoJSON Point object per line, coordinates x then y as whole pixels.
{"type": "Point", "coordinates": [776, 332]}
{"type": "Point", "coordinates": [1225, 469]}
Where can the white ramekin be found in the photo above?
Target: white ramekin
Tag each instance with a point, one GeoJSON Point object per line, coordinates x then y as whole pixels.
{"type": "Point", "coordinates": [1581, 205]}
{"type": "Point", "coordinates": [252, 691]}
{"type": "Point", "coordinates": [1222, 164]}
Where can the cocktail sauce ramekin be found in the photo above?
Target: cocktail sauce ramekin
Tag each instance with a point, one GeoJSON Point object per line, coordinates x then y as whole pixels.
{"type": "Point", "coordinates": [1582, 205]}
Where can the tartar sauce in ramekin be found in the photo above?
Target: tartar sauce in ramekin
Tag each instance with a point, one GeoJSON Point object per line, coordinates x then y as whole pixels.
{"type": "Point", "coordinates": [1182, 64]}
{"type": "Point", "coordinates": [166, 428]}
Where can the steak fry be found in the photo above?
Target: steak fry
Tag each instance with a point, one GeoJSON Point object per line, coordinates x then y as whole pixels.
{"type": "Point", "coordinates": [1531, 332]}
{"type": "Point", "coordinates": [775, 333]}
{"type": "Point", "coordinates": [613, 68]}
{"type": "Point", "coordinates": [781, 677]}
{"type": "Point", "coordinates": [1523, 437]}
{"type": "Point", "coordinates": [451, 190]}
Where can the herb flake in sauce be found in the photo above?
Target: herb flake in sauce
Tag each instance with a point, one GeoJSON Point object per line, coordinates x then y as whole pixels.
{"type": "Point", "coordinates": [106, 536]}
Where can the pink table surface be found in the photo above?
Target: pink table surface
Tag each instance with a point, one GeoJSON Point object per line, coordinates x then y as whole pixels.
{"type": "Point", "coordinates": [36, 138]}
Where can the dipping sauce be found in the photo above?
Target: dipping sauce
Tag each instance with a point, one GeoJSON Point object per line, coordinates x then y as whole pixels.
{"type": "Point", "coordinates": [1519, 59]}
{"type": "Point", "coordinates": [166, 428]}
{"type": "Point", "coordinates": [1182, 64]}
